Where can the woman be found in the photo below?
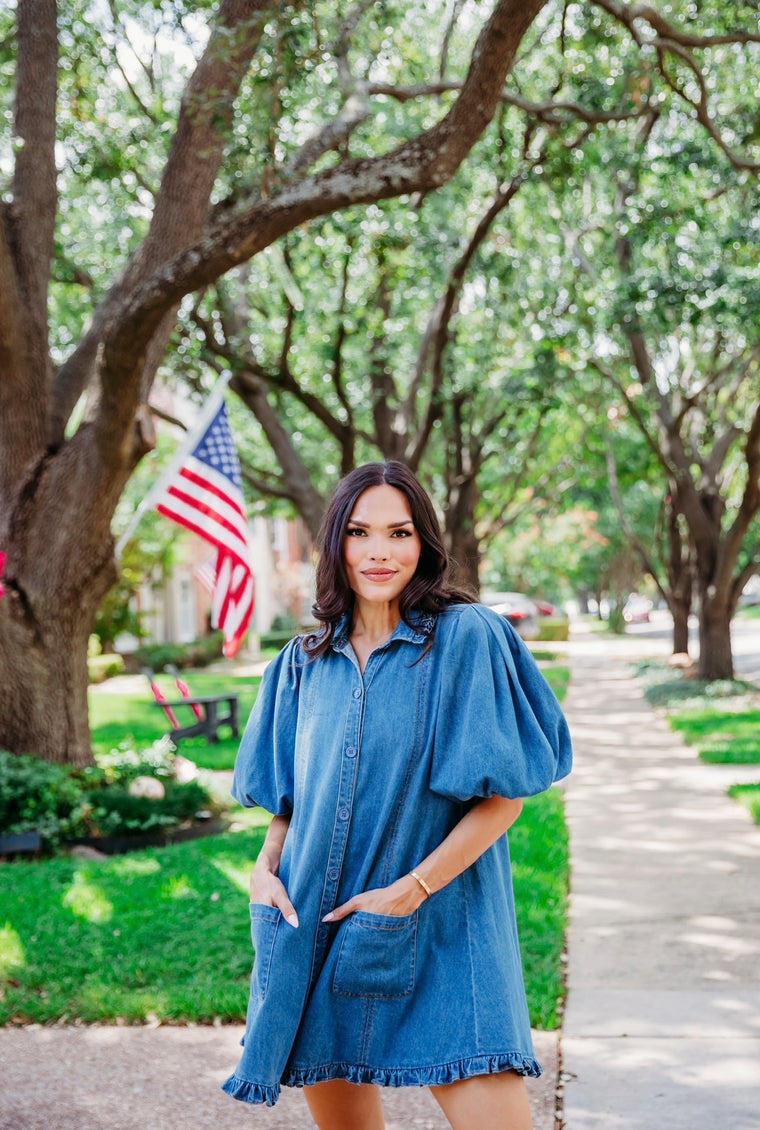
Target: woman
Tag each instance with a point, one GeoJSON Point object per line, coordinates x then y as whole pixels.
{"type": "Point", "coordinates": [393, 747]}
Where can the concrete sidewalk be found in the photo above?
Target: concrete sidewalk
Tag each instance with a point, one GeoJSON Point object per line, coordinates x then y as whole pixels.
{"type": "Point", "coordinates": [662, 1026]}
{"type": "Point", "coordinates": [111, 1078]}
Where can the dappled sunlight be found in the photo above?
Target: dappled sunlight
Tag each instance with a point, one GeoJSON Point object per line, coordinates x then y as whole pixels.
{"type": "Point", "coordinates": [135, 864]}
{"type": "Point", "coordinates": [179, 887]}
{"type": "Point", "coordinates": [88, 901]}
{"type": "Point", "coordinates": [12, 952]}
{"type": "Point", "coordinates": [239, 876]}
{"type": "Point", "coordinates": [729, 946]}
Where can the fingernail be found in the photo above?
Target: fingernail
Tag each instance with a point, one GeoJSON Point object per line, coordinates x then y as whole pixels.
{"type": "Point", "coordinates": [292, 919]}
{"type": "Point", "coordinates": [328, 917]}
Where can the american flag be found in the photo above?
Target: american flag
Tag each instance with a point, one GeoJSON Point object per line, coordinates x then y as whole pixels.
{"type": "Point", "coordinates": [205, 494]}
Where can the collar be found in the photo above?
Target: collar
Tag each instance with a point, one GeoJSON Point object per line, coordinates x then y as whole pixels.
{"type": "Point", "coordinates": [422, 624]}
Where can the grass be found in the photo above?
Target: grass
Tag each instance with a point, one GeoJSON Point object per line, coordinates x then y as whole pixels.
{"type": "Point", "coordinates": [722, 737]}
{"type": "Point", "coordinates": [720, 719]}
{"type": "Point", "coordinates": [749, 796]}
{"type": "Point", "coordinates": [541, 872]}
{"type": "Point", "coordinates": [134, 718]}
{"type": "Point", "coordinates": [158, 933]}
{"type": "Point", "coordinates": [164, 933]}
{"type": "Point", "coordinates": [558, 679]}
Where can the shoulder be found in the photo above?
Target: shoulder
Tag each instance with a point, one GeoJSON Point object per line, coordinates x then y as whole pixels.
{"type": "Point", "coordinates": [470, 623]}
{"type": "Point", "coordinates": [287, 665]}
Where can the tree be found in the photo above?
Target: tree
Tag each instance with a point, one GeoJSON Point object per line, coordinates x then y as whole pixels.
{"type": "Point", "coordinates": [383, 342]}
{"type": "Point", "coordinates": [679, 345]}
{"type": "Point", "coordinates": [656, 215]}
{"type": "Point", "coordinates": [59, 490]}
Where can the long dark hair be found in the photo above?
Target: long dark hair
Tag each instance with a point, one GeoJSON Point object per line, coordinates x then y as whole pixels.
{"type": "Point", "coordinates": [429, 589]}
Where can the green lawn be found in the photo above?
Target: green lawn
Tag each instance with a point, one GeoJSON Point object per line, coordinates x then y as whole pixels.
{"type": "Point", "coordinates": [541, 872]}
{"type": "Point", "coordinates": [558, 679]}
{"type": "Point", "coordinates": [722, 737]}
{"type": "Point", "coordinates": [720, 719]}
{"type": "Point", "coordinates": [134, 718]}
{"type": "Point", "coordinates": [165, 932]}
{"type": "Point", "coordinates": [749, 796]}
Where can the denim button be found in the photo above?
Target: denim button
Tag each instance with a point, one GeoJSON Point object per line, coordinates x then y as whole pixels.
{"type": "Point", "coordinates": [344, 814]}
{"type": "Point", "coordinates": [334, 874]}
{"type": "Point", "coordinates": [350, 752]}
{"type": "Point", "coordinates": [358, 692]}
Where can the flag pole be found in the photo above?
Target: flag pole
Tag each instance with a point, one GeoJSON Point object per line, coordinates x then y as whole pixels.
{"type": "Point", "coordinates": [209, 410]}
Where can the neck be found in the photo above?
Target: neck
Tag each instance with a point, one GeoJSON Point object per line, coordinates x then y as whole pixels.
{"type": "Point", "coordinates": [375, 622]}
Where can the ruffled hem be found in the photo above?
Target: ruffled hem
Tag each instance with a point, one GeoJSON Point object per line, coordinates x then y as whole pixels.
{"type": "Point", "coordinates": [248, 1092]}
{"type": "Point", "coordinates": [436, 1075]}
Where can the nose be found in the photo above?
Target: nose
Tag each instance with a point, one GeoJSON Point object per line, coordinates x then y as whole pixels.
{"type": "Point", "coordinates": [378, 551]}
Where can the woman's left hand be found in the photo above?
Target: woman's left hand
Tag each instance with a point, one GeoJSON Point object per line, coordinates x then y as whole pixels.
{"type": "Point", "coordinates": [400, 898]}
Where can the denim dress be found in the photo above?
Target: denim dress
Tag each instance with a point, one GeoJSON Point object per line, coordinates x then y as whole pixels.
{"type": "Point", "coordinates": [375, 771]}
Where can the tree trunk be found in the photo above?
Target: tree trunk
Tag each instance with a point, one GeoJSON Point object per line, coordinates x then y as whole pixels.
{"type": "Point", "coordinates": [58, 494]}
{"type": "Point", "coordinates": [680, 610]}
{"type": "Point", "coordinates": [716, 659]}
{"type": "Point", "coordinates": [462, 541]}
{"type": "Point", "coordinates": [43, 702]}
{"type": "Point", "coordinates": [45, 710]}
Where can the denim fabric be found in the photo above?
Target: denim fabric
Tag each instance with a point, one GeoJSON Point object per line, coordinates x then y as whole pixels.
{"type": "Point", "coordinates": [376, 771]}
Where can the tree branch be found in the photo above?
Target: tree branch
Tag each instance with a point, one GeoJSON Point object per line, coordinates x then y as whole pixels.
{"type": "Point", "coordinates": [179, 216]}
{"type": "Point", "coordinates": [436, 336]}
{"type": "Point", "coordinates": [35, 195]}
{"type": "Point", "coordinates": [426, 162]}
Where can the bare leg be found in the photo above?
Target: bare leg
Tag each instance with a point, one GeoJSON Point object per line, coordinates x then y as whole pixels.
{"type": "Point", "coordinates": [338, 1105]}
{"type": "Point", "coordinates": [498, 1102]}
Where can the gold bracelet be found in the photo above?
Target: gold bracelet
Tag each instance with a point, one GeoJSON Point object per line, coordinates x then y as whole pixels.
{"type": "Point", "coordinates": [422, 883]}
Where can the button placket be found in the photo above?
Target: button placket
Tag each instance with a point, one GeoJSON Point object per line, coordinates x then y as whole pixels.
{"type": "Point", "coordinates": [341, 824]}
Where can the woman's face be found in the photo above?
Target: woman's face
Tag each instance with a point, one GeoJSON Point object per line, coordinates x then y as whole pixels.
{"type": "Point", "coordinates": [382, 546]}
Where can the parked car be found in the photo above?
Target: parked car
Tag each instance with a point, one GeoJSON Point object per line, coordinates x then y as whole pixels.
{"type": "Point", "coordinates": [636, 609]}
{"type": "Point", "coordinates": [518, 609]}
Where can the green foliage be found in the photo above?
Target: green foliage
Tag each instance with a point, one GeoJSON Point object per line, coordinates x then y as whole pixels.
{"type": "Point", "coordinates": [553, 628]}
{"type": "Point", "coordinates": [199, 653]}
{"type": "Point", "coordinates": [114, 811]}
{"type": "Point", "coordinates": [673, 691]}
{"type": "Point", "coordinates": [558, 678]}
{"type": "Point", "coordinates": [62, 803]}
{"type": "Point", "coordinates": [36, 796]}
{"type": "Point", "coordinates": [276, 639]}
{"type": "Point", "coordinates": [155, 934]}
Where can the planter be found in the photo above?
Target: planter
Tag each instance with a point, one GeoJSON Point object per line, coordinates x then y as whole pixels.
{"type": "Point", "coordinates": [120, 845]}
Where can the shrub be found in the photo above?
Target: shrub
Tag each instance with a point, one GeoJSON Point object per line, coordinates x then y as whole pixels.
{"type": "Point", "coordinates": [113, 811]}
{"type": "Point", "coordinates": [62, 803]}
{"type": "Point", "coordinates": [156, 656]}
{"type": "Point", "coordinates": [102, 667]}
{"type": "Point", "coordinates": [276, 639]}
{"type": "Point", "coordinates": [36, 796]}
{"type": "Point", "coordinates": [553, 628]}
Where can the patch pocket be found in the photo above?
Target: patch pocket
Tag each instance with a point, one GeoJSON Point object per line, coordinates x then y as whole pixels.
{"type": "Point", "coordinates": [377, 956]}
{"type": "Point", "coordinates": [265, 921]}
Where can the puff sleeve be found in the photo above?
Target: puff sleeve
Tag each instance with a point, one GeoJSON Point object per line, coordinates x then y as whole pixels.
{"type": "Point", "coordinates": [264, 767]}
{"type": "Point", "coordinates": [499, 729]}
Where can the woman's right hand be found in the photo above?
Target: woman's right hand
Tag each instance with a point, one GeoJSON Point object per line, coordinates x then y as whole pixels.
{"type": "Point", "coordinates": [268, 890]}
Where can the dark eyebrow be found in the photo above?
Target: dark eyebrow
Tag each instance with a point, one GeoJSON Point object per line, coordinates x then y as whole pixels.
{"type": "Point", "coordinates": [391, 525]}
